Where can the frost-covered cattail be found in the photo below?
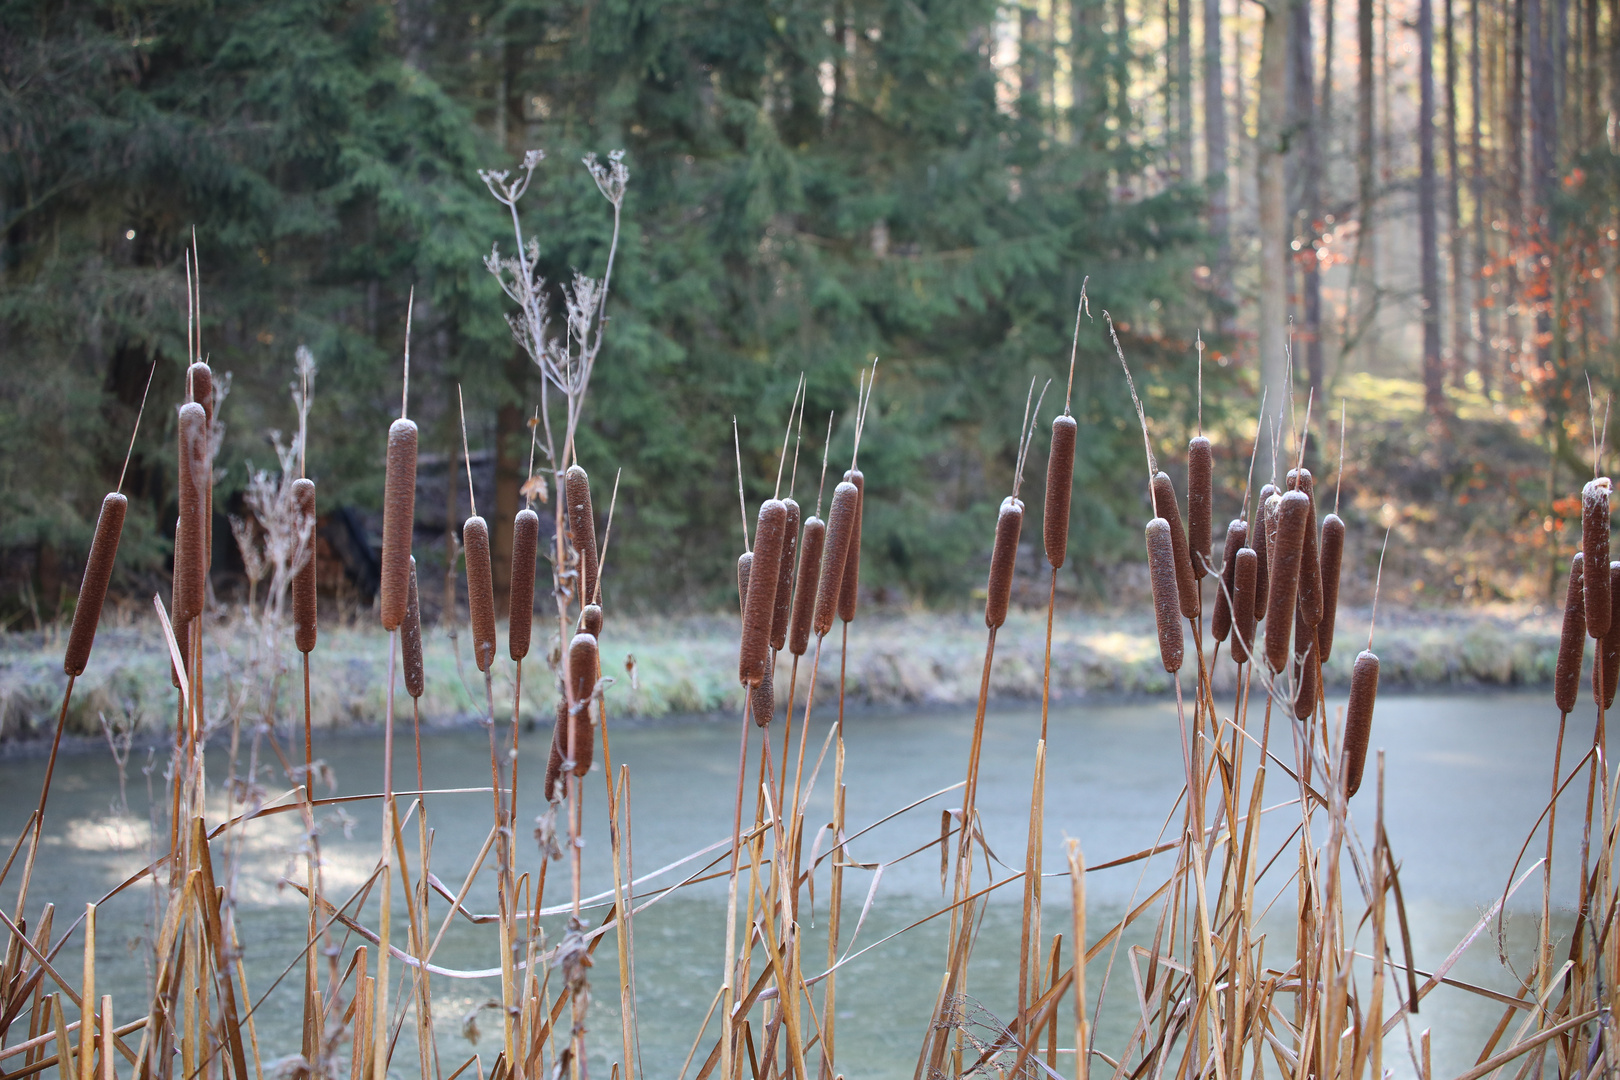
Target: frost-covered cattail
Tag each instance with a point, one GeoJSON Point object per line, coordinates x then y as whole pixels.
{"type": "Point", "coordinates": [849, 592]}
{"type": "Point", "coordinates": [200, 378]}
{"type": "Point", "coordinates": [399, 519]}
{"type": "Point", "coordinates": [303, 583]}
{"type": "Point", "coordinates": [1166, 605]}
{"type": "Point", "coordinates": [1332, 552]}
{"type": "Point", "coordinates": [840, 523]}
{"type": "Point", "coordinates": [759, 605]}
{"type": "Point", "coordinates": [582, 662]}
{"type": "Point", "coordinates": [520, 616]}
{"type": "Point", "coordinates": [582, 528]}
{"type": "Point", "coordinates": [1305, 668]}
{"type": "Point", "coordinates": [190, 541]}
{"type": "Point", "coordinates": [410, 640]}
{"type": "Point", "coordinates": [1595, 548]}
{"type": "Point", "coordinates": [1237, 534]}
{"type": "Point", "coordinates": [590, 620]}
{"type": "Point", "coordinates": [98, 570]}
{"type": "Point", "coordinates": [1310, 564]}
{"type": "Point", "coordinates": [554, 761]}
{"type": "Point", "coordinates": [1292, 514]}
{"type": "Point", "coordinates": [804, 600]}
{"type": "Point", "coordinates": [745, 570]}
{"type": "Point", "coordinates": [783, 610]}
{"type": "Point", "coordinates": [1243, 597]}
{"type": "Point", "coordinates": [480, 590]}
{"type": "Point", "coordinates": [1059, 490]}
{"type": "Point", "coordinates": [1164, 505]}
{"type": "Point", "coordinates": [1200, 499]}
{"type": "Point", "coordinates": [1572, 642]}
{"type": "Point", "coordinates": [1358, 719]}
{"type": "Point", "coordinates": [998, 594]}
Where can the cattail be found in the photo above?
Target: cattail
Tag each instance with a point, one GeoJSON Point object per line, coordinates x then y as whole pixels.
{"type": "Point", "coordinates": [1290, 547]}
{"type": "Point", "coordinates": [1164, 505]}
{"type": "Point", "coordinates": [191, 536]}
{"type": "Point", "coordinates": [1162, 570]}
{"type": "Point", "coordinates": [850, 590]}
{"type": "Point", "coordinates": [582, 529]}
{"type": "Point", "coordinates": [201, 379]}
{"type": "Point", "coordinates": [582, 660]}
{"type": "Point", "coordinates": [480, 590]}
{"type": "Point", "coordinates": [1009, 523]}
{"type": "Point", "coordinates": [554, 763]}
{"type": "Point", "coordinates": [410, 640]}
{"type": "Point", "coordinates": [804, 600]}
{"type": "Point", "coordinates": [1595, 549]}
{"type": "Point", "coordinates": [1305, 668]}
{"type": "Point", "coordinates": [1572, 642]}
{"type": "Point", "coordinates": [98, 570]}
{"type": "Point", "coordinates": [520, 614]}
{"type": "Point", "coordinates": [1243, 597]}
{"type": "Point", "coordinates": [1200, 502]}
{"type": "Point", "coordinates": [303, 583]}
{"type": "Point", "coordinates": [754, 654]}
{"type": "Point", "coordinates": [1332, 556]}
{"type": "Point", "coordinates": [399, 519]}
{"type": "Point", "coordinates": [1358, 718]}
{"type": "Point", "coordinates": [745, 566]}
{"type": "Point", "coordinates": [1608, 653]}
{"type": "Point", "coordinates": [784, 579]}
{"type": "Point", "coordinates": [1237, 533]}
{"type": "Point", "coordinates": [1310, 564]}
{"type": "Point", "coordinates": [590, 620]}
{"type": "Point", "coordinates": [845, 501]}
{"type": "Point", "coordinates": [762, 701]}
{"type": "Point", "coordinates": [182, 641]}
{"type": "Point", "coordinates": [1261, 542]}
{"type": "Point", "coordinates": [1059, 489]}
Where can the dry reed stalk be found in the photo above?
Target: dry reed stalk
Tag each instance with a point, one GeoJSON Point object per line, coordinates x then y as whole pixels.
{"type": "Point", "coordinates": [1200, 502]}
{"type": "Point", "coordinates": [811, 545]}
{"type": "Point", "coordinates": [410, 640]}
{"type": "Point", "coordinates": [759, 604]}
{"type": "Point", "coordinates": [191, 566]}
{"type": "Point", "coordinates": [1220, 623]}
{"type": "Point", "coordinates": [1572, 640]}
{"type": "Point", "coordinates": [998, 592]}
{"type": "Point", "coordinates": [98, 570]}
{"type": "Point", "coordinates": [1595, 548]}
{"type": "Point", "coordinates": [583, 659]}
{"type": "Point", "coordinates": [1309, 597]}
{"type": "Point", "coordinates": [582, 529]}
{"type": "Point", "coordinates": [835, 552]}
{"type": "Point", "coordinates": [399, 520]}
{"type": "Point", "coordinates": [303, 583]}
{"type": "Point", "coordinates": [1245, 589]}
{"type": "Point", "coordinates": [1164, 506]}
{"type": "Point", "coordinates": [849, 592]}
{"type": "Point", "coordinates": [1059, 490]}
{"type": "Point", "coordinates": [1261, 542]}
{"type": "Point", "coordinates": [590, 620]}
{"type": "Point", "coordinates": [1358, 716]}
{"type": "Point", "coordinates": [520, 612]}
{"type": "Point", "coordinates": [783, 610]}
{"type": "Point", "coordinates": [1332, 562]}
{"type": "Point", "coordinates": [1291, 518]}
{"type": "Point", "coordinates": [1162, 573]}
{"type": "Point", "coordinates": [480, 590]}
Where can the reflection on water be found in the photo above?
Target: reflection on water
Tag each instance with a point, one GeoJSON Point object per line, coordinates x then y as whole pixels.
{"type": "Point", "coordinates": [1465, 778]}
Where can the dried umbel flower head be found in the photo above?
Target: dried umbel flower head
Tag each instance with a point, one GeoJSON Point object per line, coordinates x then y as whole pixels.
{"type": "Point", "coordinates": [783, 611]}
{"type": "Point", "coordinates": [1261, 542]}
{"type": "Point", "coordinates": [998, 593]}
{"type": "Point", "coordinates": [759, 607]}
{"type": "Point", "coordinates": [1059, 490]}
{"type": "Point", "coordinates": [1310, 565]}
{"type": "Point", "coordinates": [582, 666]}
{"type": "Point", "coordinates": [399, 519]}
{"type": "Point", "coordinates": [1200, 502]}
{"type": "Point", "coordinates": [1164, 505]}
{"type": "Point", "coordinates": [1332, 551]}
{"type": "Point", "coordinates": [1237, 534]}
{"type": "Point", "coordinates": [840, 522]}
{"type": "Point", "coordinates": [1595, 548]}
{"type": "Point", "coordinates": [1244, 577]}
{"type": "Point", "coordinates": [582, 528]}
{"type": "Point", "coordinates": [762, 701]}
{"type": "Point", "coordinates": [1292, 515]}
{"type": "Point", "coordinates": [98, 570]}
{"type": "Point", "coordinates": [480, 590]}
{"type": "Point", "coordinates": [1572, 641]}
{"type": "Point", "coordinates": [811, 545]}
{"type": "Point", "coordinates": [525, 547]}
{"type": "Point", "coordinates": [1166, 606]}
{"type": "Point", "coordinates": [849, 592]}
{"type": "Point", "coordinates": [1358, 718]}
{"type": "Point", "coordinates": [590, 620]}
{"type": "Point", "coordinates": [745, 570]}
{"type": "Point", "coordinates": [303, 583]}
{"type": "Point", "coordinates": [410, 640]}
{"type": "Point", "coordinates": [191, 537]}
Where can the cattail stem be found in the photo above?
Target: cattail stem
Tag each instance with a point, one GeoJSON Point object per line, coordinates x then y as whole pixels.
{"type": "Point", "coordinates": [38, 824]}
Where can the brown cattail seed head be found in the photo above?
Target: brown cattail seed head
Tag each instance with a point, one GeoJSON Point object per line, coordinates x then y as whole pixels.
{"type": "Point", "coordinates": [520, 617]}
{"type": "Point", "coordinates": [410, 640]}
{"type": "Point", "coordinates": [182, 641]}
{"type": "Point", "coordinates": [1332, 562]}
{"type": "Point", "coordinates": [303, 584]}
{"type": "Point", "coordinates": [754, 655]}
{"type": "Point", "coordinates": [745, 570]}
{"type": "Point", "coordinates": [1237, 533]}
{"type": "Point", "coordinates": [582, 662]}
{"type": "Point", "coordinates": [582, 529]}
{"type": "Point", "coordinates": [201, 379]}
{"type": "Point", "coordinates": [783, 610]}
{"type": "Point", "coordinates": [849, 592]}
{"type": "Point", "coordinates": [480, 590]}
{"type": "Point", "coordinates": [1595, 549]}
{"type": "Point", "coordinates": [1261, 542]}
{"type": "Point", "coordinates": [1293, 511]}
{"type": "Point", "coordinates": [1166, 607]}
{"type": "Point", "coordinates": [1200, 500]}
{"type": "Point", "coordinates": [191, 538]}
{"type": "Point", "coordinates": [1164, 505]}
{"type": "Point", "coordinates": [998, 594]}
{"type": "Point", "coordinates": [1358, 718]}
{"type": "Point", "coordinates": [98, 570]}
{"type": "Point", "coordinates": [1304, 668]}
{"type": "Point", "coordinates": [590, 620]}
{"type": "Point", "coordinates": [762, 701]}
{"type": "Point", "coordinates": [1572, 642]}
{"type": "Point", "coordinates": [804, 600]}
{"type": "Point", "coordinates": [1608, 653]}
{"type": "Point", "coordinates": [399, 519]}
{"type": "Point", "coordinates": [1310, 565]}
{"type": "Point", "coordinates": [1243, 596]}
{"type": "Point", "coordinates": [1059, 490]}
{"type": "Point", "coordinates": [554, 762]}
{"type": "Point", "coordinates": [840, 521]}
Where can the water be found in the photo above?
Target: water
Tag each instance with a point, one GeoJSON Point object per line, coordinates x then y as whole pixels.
{"type": "Point", "coordinates": [1466, 777]}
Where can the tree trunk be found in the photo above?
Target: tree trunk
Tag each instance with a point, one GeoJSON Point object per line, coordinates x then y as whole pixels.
{"type": "Point", "coordinates": [1543, 136]}
{"type": "Point", "coordinates": [1366, 231]}
{"type": "Point", "coordinates": [1459, 307]}
{"type": "Point", "coordinates": [1515, 180]}
{"type": "Point", "coordinates": [1433, 370]}
{"type": "Point", "coordinates": [1271, 146]}
{"type": "Point", "coordinates": [1307, 196]}
{"type": "Point", "coordinates": [1184, 97]}
{"type": "Point", "coordinates": [1482, 353]}
{"type": "Point", "coordinates": [1215, 154]}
